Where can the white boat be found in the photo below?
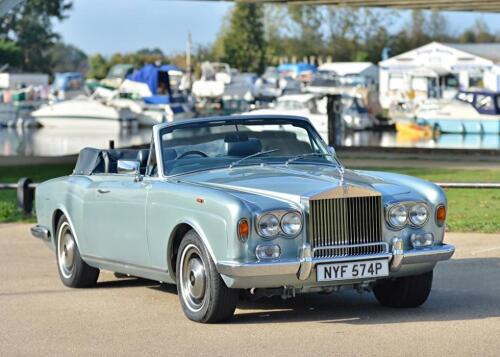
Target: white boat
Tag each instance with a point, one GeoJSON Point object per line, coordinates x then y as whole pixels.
{"type": "Point", "coordinates": [149, 109]}
{"type": "Point", "coordinates": [84, 112]}
{"type": "Point", "coordinates": [314, 107]}
{"type": "Point", "coordinates": [219, 81]}
{"type": "Point", "coordinates": [470, 112]}
{"type": "Point", "coordinates": [273, 85]}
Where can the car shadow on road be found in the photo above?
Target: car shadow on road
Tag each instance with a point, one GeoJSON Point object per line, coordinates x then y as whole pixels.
{"type": "Point", "coordinates": [463, 289]}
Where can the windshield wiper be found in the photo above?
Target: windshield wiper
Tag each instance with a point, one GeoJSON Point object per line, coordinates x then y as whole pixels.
{"type": "Point", "coordinates": [302, 156]}
{"type": "Point", "coordinates": [233, 164]}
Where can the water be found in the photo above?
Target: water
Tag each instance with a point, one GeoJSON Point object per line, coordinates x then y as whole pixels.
{"type": "Point", "coordinates": [445, 141]}
{"type": "Point", "coordinates": [60, 142]}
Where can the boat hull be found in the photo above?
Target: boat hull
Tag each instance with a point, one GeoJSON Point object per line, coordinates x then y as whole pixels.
{"type": "Point", "coordinates": [464, 126]}
{"type": "Point", "coordinates": [75, 122]}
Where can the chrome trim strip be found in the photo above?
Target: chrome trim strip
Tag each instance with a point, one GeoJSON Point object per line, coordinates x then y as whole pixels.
{"type": "Point", "coordinates": [122, 264]}
{"type": "Point", "coordinates": [40, 232]}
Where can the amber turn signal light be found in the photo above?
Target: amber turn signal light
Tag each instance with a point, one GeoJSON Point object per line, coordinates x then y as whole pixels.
{"type": "Point", "coordinates": [440, 215]}
{"type": "Point", "coordinates": [243, 229]}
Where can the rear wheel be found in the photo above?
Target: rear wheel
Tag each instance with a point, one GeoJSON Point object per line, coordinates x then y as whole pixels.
{"type": "Point", "coordinates": [203, 295]}
{"type": "Point", "coordinates": [74, 272]}
{"type": "Point", "coordinates": [408, 291]}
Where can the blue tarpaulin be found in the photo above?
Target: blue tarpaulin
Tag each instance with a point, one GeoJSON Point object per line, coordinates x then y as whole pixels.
{"type": "Point", "coordinates": [149, 74]}
{"type": "Point", "coordinates": [297, 68]}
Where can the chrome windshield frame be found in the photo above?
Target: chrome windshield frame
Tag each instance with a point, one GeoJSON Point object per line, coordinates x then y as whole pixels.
{"type": "Point", "coordinates": [229, 120]}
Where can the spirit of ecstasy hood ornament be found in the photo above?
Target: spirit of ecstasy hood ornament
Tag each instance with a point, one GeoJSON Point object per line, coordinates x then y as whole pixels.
{"type": "Point", "coordinates": [341, 171]}
{"type": "Point", "coordinates": [340, 167]}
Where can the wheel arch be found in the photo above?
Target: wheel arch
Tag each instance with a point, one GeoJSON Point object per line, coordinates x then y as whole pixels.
{"type": "Point", "coordinates": [56, 215]}
{"type": "Point", "coordinates": [175, 239]}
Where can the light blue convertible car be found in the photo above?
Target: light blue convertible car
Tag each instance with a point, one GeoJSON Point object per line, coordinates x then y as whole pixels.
{"type": "Point", "coordinates": [246, 204]}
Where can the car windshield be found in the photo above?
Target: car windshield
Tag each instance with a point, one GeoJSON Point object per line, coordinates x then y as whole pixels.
{"type": "Point", "coordinates": [198, 146]}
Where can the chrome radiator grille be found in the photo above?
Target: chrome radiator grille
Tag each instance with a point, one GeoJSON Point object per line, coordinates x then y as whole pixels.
{"type": "Point", "coordinates": [346, 226]}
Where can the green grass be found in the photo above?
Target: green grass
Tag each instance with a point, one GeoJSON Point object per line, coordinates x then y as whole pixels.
{"type": "Point", "coordinates": [38, 173]}
{"type": "Point", "coordinates": [469, 210]}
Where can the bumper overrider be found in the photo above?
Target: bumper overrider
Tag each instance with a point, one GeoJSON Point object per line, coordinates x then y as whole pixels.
{"type": "Point", "coordinates": [303, 266]}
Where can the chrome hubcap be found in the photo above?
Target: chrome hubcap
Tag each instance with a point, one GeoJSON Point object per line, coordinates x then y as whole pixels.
{"type": "Point", "coordinates": [66, 250]}
{"type": "Point", "coordinates": [193, 278]}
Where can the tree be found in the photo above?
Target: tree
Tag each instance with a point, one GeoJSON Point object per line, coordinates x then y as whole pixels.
{"type": "Point", "coordinates": [479, 33]}
{"type": "Point", "coordinates": [243, 41]}
{"type": "Point", "coordinates": [67, 58]}
{"type": "Point", "coordinates": [98, 67]}
{"type": "Point", "coordinates": [29, 25]}
{"type": "Point", "coordinates": [306, 23]}
{"type": "Point", "coordinates": [10, 54]}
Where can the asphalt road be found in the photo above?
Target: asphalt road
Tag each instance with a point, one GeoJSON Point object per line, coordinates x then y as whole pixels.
{"type": "Point", "coordinates": [39, 316]}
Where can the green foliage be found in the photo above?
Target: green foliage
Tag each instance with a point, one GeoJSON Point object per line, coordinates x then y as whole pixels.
{"type": "Point", "coordinates": [10, 53]}
{"type": "Point", "coordinates": [67, 58]}
{"type": "Point", "coordinates": [243, 40]}
{"type": "Point", "coordinates": [98, 67]}
{"type": "Point", "coordinates": [29, 25]}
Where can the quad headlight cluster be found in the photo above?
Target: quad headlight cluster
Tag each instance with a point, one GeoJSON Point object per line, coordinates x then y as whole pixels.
{"type": "Point", "coordinates": [274, 223]}
{"type": "Point", "coordinates": [402, 214]}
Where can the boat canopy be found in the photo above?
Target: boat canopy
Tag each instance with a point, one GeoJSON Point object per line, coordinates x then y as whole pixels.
{"type": "Point", "coordinates": [156, 77]}
{"type": "Point", "coordinates": [484, 101]}
{"type": "Point", "coordinates": [68, 81]}
{"type": "Point", "coordinates": [297, 68]}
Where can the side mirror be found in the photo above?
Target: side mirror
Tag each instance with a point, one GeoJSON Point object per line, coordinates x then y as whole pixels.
{"type": "Point", "coordinates": [331, 151]}
{"type": "Point", "coordinates": [128, 167]}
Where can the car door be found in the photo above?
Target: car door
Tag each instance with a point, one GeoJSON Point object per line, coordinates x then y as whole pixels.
{"type": "Point", "coordinates": [115, 219]}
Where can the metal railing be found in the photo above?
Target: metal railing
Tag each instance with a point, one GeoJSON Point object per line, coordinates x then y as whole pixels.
{"type": "Point", "coordinates": [25, 188]}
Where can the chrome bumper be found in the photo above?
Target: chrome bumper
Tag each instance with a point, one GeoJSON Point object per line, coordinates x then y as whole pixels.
{"type": "Point", "coordinates": [40, 232]}
{"type": "Point", "coordinates": [304, 266]}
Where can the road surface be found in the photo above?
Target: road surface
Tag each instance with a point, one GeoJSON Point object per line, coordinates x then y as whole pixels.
{"type": "Point", "coordinates": [39, 316]}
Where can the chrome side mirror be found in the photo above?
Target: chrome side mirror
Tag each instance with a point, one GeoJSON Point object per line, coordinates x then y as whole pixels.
{"type": "Point", "coordinates": [331, 151]}
{"type": "Point", "coordinates": [128, 167]}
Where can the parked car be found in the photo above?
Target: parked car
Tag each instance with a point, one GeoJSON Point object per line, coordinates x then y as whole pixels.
{"type": "Point", "coordinates": [255, 203]}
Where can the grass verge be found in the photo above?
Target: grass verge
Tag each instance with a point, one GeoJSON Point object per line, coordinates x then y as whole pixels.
{"type": "Point", "coordinates": [469, 210]}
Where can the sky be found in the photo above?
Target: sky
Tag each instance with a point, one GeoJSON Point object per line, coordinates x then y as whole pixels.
{"type": "Point", "coordinates": [110, 26]}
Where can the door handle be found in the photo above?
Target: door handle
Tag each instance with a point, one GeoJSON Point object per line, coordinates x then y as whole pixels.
{"type": "Point", "coordinates": [103, 190]}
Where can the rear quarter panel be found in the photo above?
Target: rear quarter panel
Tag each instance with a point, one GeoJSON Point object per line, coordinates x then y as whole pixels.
{"type": "Point", "coordinates": [66, 195]}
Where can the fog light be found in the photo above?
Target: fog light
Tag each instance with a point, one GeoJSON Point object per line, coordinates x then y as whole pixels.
{"type": "Point", "coordinates": [268, 251]}
{"type": "Point", "coordinates": [422, 240]}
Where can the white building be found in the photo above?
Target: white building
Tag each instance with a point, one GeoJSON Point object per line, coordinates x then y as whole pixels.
{"type": "Point", "coordinates": [438, 70]}
{"type": "Point", "coordinates": [16, 80]}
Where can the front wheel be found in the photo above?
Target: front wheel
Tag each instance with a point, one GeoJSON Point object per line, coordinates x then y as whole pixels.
{"type": "Point", "coordinates": [408, 291]}
{"type": "Point", "coordinates": [203, 294]}
{"type": "Point", "coordinates": [74, 272]}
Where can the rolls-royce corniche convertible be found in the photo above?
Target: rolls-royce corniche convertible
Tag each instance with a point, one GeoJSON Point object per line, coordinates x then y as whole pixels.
{"type": "Point", "coordinates": [237, 206]}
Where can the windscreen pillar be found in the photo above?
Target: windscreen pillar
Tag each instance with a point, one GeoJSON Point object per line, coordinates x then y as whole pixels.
{"type": "Point", "coordinates": [334, 112]}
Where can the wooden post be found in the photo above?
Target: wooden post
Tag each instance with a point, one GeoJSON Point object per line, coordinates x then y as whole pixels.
{"type": "Point", "coordinates": [25, 195]}
{"type": "Point", "coordinates": [334, 112]}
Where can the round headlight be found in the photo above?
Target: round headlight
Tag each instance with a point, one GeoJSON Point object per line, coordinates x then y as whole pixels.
{"type": "Point", "coordinates": [419, 214]}
{"type": "Point", "coordinates": [397, 216]}
{"type": "Point", "coordinates": [291, 223]}
{"type": "Point", "coordinates": [268, 225]}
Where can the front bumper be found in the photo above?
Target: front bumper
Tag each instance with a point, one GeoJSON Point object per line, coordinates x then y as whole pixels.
{"type": "Point", "coordinates": [40, 232]}
{"type": "Point", "coordinates": [305, 264]}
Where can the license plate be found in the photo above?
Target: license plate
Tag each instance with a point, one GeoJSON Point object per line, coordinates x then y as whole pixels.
{"type": "Point", "coordinates": [352, 270]}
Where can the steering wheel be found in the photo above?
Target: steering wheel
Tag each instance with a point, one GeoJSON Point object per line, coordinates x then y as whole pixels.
{"type": "Point", "coordinates": [191, 152]}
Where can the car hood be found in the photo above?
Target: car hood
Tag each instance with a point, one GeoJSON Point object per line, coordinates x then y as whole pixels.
{"type": "Point", "coordinates": [292, 182]}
